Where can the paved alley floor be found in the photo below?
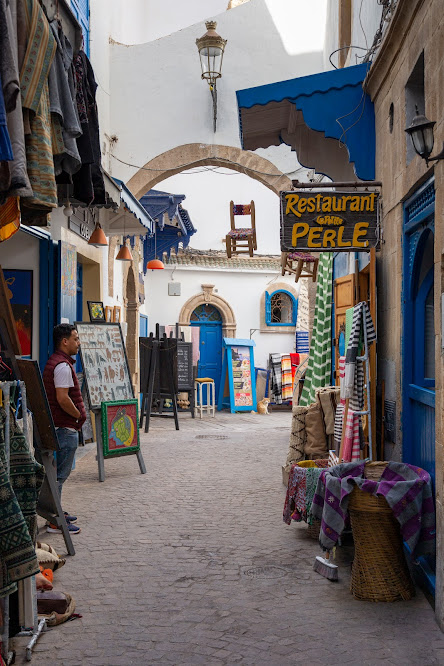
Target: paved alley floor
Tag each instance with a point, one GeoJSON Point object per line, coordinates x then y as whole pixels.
{"type": "Point", "coordinates": [192, 564]}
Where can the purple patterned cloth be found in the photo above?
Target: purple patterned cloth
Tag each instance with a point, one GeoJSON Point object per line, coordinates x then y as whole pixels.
{"type": "Point", "coordinates": [407, 489]}
{"type": "Point", "coordinates": [240, 234]}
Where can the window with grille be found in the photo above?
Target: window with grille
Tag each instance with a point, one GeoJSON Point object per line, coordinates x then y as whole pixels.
{"type": "Point", "coordinates": [281, 309]}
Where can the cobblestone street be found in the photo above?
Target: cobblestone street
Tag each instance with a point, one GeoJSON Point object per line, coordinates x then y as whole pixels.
{"type": "Point", "coordinates": [192, 564]}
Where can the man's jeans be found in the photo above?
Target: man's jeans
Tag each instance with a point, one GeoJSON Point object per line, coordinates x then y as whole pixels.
{"type": "Point", "coordinates": [68, 442]}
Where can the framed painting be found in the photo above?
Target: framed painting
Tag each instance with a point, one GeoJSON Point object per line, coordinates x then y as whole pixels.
{"type": "Point", "coordinates": [38, 403]}
{"type": "Point", "coordinates": [96, 311]}
{"type": "Point", "coordinates": [117, 314]}
{"type": "Point", "coordinates": [19, 286]}
{"type": "Point", "coordinates": [104, 361]}
{"type": "Point", "coordinates": [108, 314]}
{"type": "Point", "coordinates": [120, 428]}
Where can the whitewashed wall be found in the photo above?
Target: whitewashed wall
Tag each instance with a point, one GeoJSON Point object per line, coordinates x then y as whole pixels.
{"type": "Point", "coordinates": [243, 292]}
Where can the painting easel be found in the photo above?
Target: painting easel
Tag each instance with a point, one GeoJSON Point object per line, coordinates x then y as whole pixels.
{"type": "Point", "coordinates": [158, 369]}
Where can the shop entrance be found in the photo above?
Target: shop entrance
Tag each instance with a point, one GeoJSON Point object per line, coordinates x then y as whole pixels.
{"type": "Point", "coordinates": [419, 331]}
{"type": "Point", "coordinates": [209, 320]}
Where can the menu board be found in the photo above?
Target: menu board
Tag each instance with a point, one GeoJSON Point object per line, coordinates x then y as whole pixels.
{"type": "Point", "coordinates": [184, 365]}
{"type": "Point", "coordinates": [104, 363]}
{"type": "Point", "coordinates": [240, 362]}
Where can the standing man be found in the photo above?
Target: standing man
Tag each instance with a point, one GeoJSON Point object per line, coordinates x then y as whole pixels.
{"type": "Point", "coordinates": [67, 408]}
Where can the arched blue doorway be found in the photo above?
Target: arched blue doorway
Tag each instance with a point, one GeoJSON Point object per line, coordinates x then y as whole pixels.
{"type": "Point", "coordinates": [209, 320]}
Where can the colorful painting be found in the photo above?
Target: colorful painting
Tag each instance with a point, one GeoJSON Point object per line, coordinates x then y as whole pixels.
{"type": "Point", "coordinates": [104, 362]}
{"type": "Point", "coordinates": [19, 285]}
{"type": "Point", "coordinates": [240, 359]}
{"type": "Point", "coordinates": [96, 311]}
{"type": "Point", "coordinates": [68, 263]}
{"type": "Point", "coordinates": [120, 428]}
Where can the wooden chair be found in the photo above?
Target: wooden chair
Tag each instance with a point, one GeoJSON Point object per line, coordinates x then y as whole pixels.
{"type": "Point", "coordinates": [305, 261]}
{"type": "Point", "coordinates": [242, 240]}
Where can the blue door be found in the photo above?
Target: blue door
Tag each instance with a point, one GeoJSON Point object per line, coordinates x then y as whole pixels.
{"type": "Point", "coordinates": [418, 386]}
{"type": "Point", "coordinates": [209, 320]}
{"type": "Point", "coordinates": [419, 332]}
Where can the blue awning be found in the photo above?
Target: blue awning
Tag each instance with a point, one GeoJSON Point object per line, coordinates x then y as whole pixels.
{"type": "Point", "coordinates": [134, 206]}
{"type": "Point", "coordinates": [333, 103]}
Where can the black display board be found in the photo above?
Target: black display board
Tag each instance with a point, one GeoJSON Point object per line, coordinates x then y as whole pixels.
{"type": "Point", "coordinates": [184, 366]}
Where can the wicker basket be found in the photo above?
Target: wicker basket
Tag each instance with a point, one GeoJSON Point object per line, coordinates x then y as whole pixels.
{"type": "Point", "coordinates": [314, 529]}
{"type": "Point", "coordinates": [379, 571]}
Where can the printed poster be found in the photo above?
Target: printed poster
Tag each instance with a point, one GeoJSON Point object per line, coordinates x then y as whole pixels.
{"type": "Point", "coordinates": [240, 361]}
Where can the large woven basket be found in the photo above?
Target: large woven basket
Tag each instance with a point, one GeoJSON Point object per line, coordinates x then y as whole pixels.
{"type": "Point", "coordinates": [379, 571]}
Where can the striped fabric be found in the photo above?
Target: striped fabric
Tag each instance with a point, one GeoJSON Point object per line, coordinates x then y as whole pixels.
{"type": "Point", "coordinates": [354, 369]}
{"type": "Point", "coordinates": [319, 363]}
{"type": "Point", "coordinates": [352, 441]}
{"type": "Point", "coordinates": [240, 234]}
{"type": "Point", "coordinates": [9, 218]}
{"type": "Point", "coordinates": [340, 408]}
{"type": "Point", "coordinates": [302, 346]}
{"type": "Point", "coordinates": [287, 377]}
{"type": "Point", "coordinates": [276, 378]}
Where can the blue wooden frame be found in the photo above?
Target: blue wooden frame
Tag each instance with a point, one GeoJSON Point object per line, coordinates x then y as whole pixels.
{"type": "Point", "coordinates": [419, 212]}
{"type": "Point", "coordinates": [228, 401]}
{"type": "Point", "coordinates": [294, 301]}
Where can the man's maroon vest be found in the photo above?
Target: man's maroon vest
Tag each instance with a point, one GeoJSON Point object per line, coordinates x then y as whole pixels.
{"type": "Point", "coordinates": [61, 418]}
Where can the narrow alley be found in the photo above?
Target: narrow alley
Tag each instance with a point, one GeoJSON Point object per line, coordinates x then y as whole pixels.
{"type": "Point", "coordinates": [192, 564]}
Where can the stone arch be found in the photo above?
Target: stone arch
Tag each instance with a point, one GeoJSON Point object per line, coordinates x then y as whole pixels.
{"type": "Point", "coordinates": [192, 155]}
{"type": "Point", "coordinates": [208, 296]}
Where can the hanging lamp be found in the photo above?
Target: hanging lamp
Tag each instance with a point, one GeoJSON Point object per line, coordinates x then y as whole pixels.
{"type": "Point", "coordinates": [124, 254]}
{"type": "Point", "coordinates": [98, 238]}
{"type": "Point", "coordinates": [155, 264]}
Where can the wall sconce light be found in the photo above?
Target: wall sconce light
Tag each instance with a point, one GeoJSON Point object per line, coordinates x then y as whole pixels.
{"type": "Point", "coordinates": [421, 133]}
{"type": "Point", "coordinates": [211, 49]}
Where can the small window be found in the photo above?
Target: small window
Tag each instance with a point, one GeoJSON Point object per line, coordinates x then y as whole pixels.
{"type": "Point", "coordinates": [281, 309]}
{"type": "Point", "coordinates": [80, 9]}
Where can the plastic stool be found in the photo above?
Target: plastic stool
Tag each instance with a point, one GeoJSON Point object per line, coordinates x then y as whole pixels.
{"type": "Point", "coordinates": [210, 406]}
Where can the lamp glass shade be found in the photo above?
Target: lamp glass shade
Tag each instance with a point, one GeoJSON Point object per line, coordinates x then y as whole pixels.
{"type": "Point", "coordinates": [124, 254]}
{"type": "Point", "coordinates": [211, 49]}
{"type": "Point", "coordinates": [155, 264]}
{"type": "Point", "coordinates": [98, 238]}
{"type": "Point", "coordinates": [421, 132]}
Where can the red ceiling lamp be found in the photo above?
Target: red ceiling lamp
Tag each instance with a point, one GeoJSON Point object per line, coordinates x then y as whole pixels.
{"type": "Point", "coordinates": [124, 253]}
{"type": "Point", "coordinates": [98, 238]}
{"type": "Point", "coordinates": [155, 264]}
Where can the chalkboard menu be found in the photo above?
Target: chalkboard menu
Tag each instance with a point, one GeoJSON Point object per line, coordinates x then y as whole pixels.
{"type": "Point", "coordinates": [240, 360]}
{"type": "Point", "coordinates": [184, 366]}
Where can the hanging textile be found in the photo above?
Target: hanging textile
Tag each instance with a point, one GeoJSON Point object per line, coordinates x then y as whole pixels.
{"type": "Point", "coordinates": [18, 184]}
{"type": "Point", "coordinates": [319, 362]}
{"type": "Point", "coordinates": [354, 368]}
{"type": "Point", "coordinates": [5, 142]}
{"type": "Point", "coordinates": [62, 100]}
{"type": "Point", "coordinates": [9, 218]}
{"type": "Point", "coordinates": [41, 47]}
{"type": "Point", "coordinates": [18, 499]}
{"type": "Point", "coordinates": [287, 378]}
{"type": "Point", "coordinates": [276, 378]}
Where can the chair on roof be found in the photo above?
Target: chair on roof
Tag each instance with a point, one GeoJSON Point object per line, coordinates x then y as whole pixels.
{"type": "Point", "coordinates": [294, 263]}
{"type": "Point", "coordinates": [242, 240]}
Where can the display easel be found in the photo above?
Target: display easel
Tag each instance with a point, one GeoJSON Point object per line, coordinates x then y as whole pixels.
{"type": "Point", "coordinates": [158, 362]}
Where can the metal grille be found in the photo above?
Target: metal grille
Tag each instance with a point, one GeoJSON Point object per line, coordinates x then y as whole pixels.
{"type": "Point", "coordinates": [281, 308]}
{"type": "Point", "coordinates": [206, 313]}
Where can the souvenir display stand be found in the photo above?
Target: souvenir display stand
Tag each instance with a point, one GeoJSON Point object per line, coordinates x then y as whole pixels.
{"type": "Point", "coordinates": [108, 381]}
{"type": "Point", "coordinates": [238, 386]}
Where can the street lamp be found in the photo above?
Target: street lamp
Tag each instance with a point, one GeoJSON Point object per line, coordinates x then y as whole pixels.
{"type": "Point", "coordinates": [211, 49]}
{"type": "Point", "coordinates": [421, 133]}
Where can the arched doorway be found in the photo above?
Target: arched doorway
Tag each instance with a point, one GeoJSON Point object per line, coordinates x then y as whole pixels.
{"type": "Point", "coordinates": [191, 155]}
{"type": "Point", "coordinates": [209, 320]}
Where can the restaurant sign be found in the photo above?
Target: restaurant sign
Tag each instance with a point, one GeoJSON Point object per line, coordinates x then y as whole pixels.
{"type": "Point", "coordinates": [329, 221]}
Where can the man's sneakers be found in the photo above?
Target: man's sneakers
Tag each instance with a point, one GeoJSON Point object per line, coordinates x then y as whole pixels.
{"type": "Point", "coordinates": [72, 529]}
{"type": "Point", "coordinates": [53, 529]}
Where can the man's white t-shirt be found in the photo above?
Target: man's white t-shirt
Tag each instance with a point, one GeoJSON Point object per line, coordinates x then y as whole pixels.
{"type": "Point", "coordinates": [63, 376]}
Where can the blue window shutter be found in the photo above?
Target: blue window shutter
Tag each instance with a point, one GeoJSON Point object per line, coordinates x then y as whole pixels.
{"type": "Point", "coordinates": [267, 309]}
{"type": "Point", "coordinates": [80, 9]}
